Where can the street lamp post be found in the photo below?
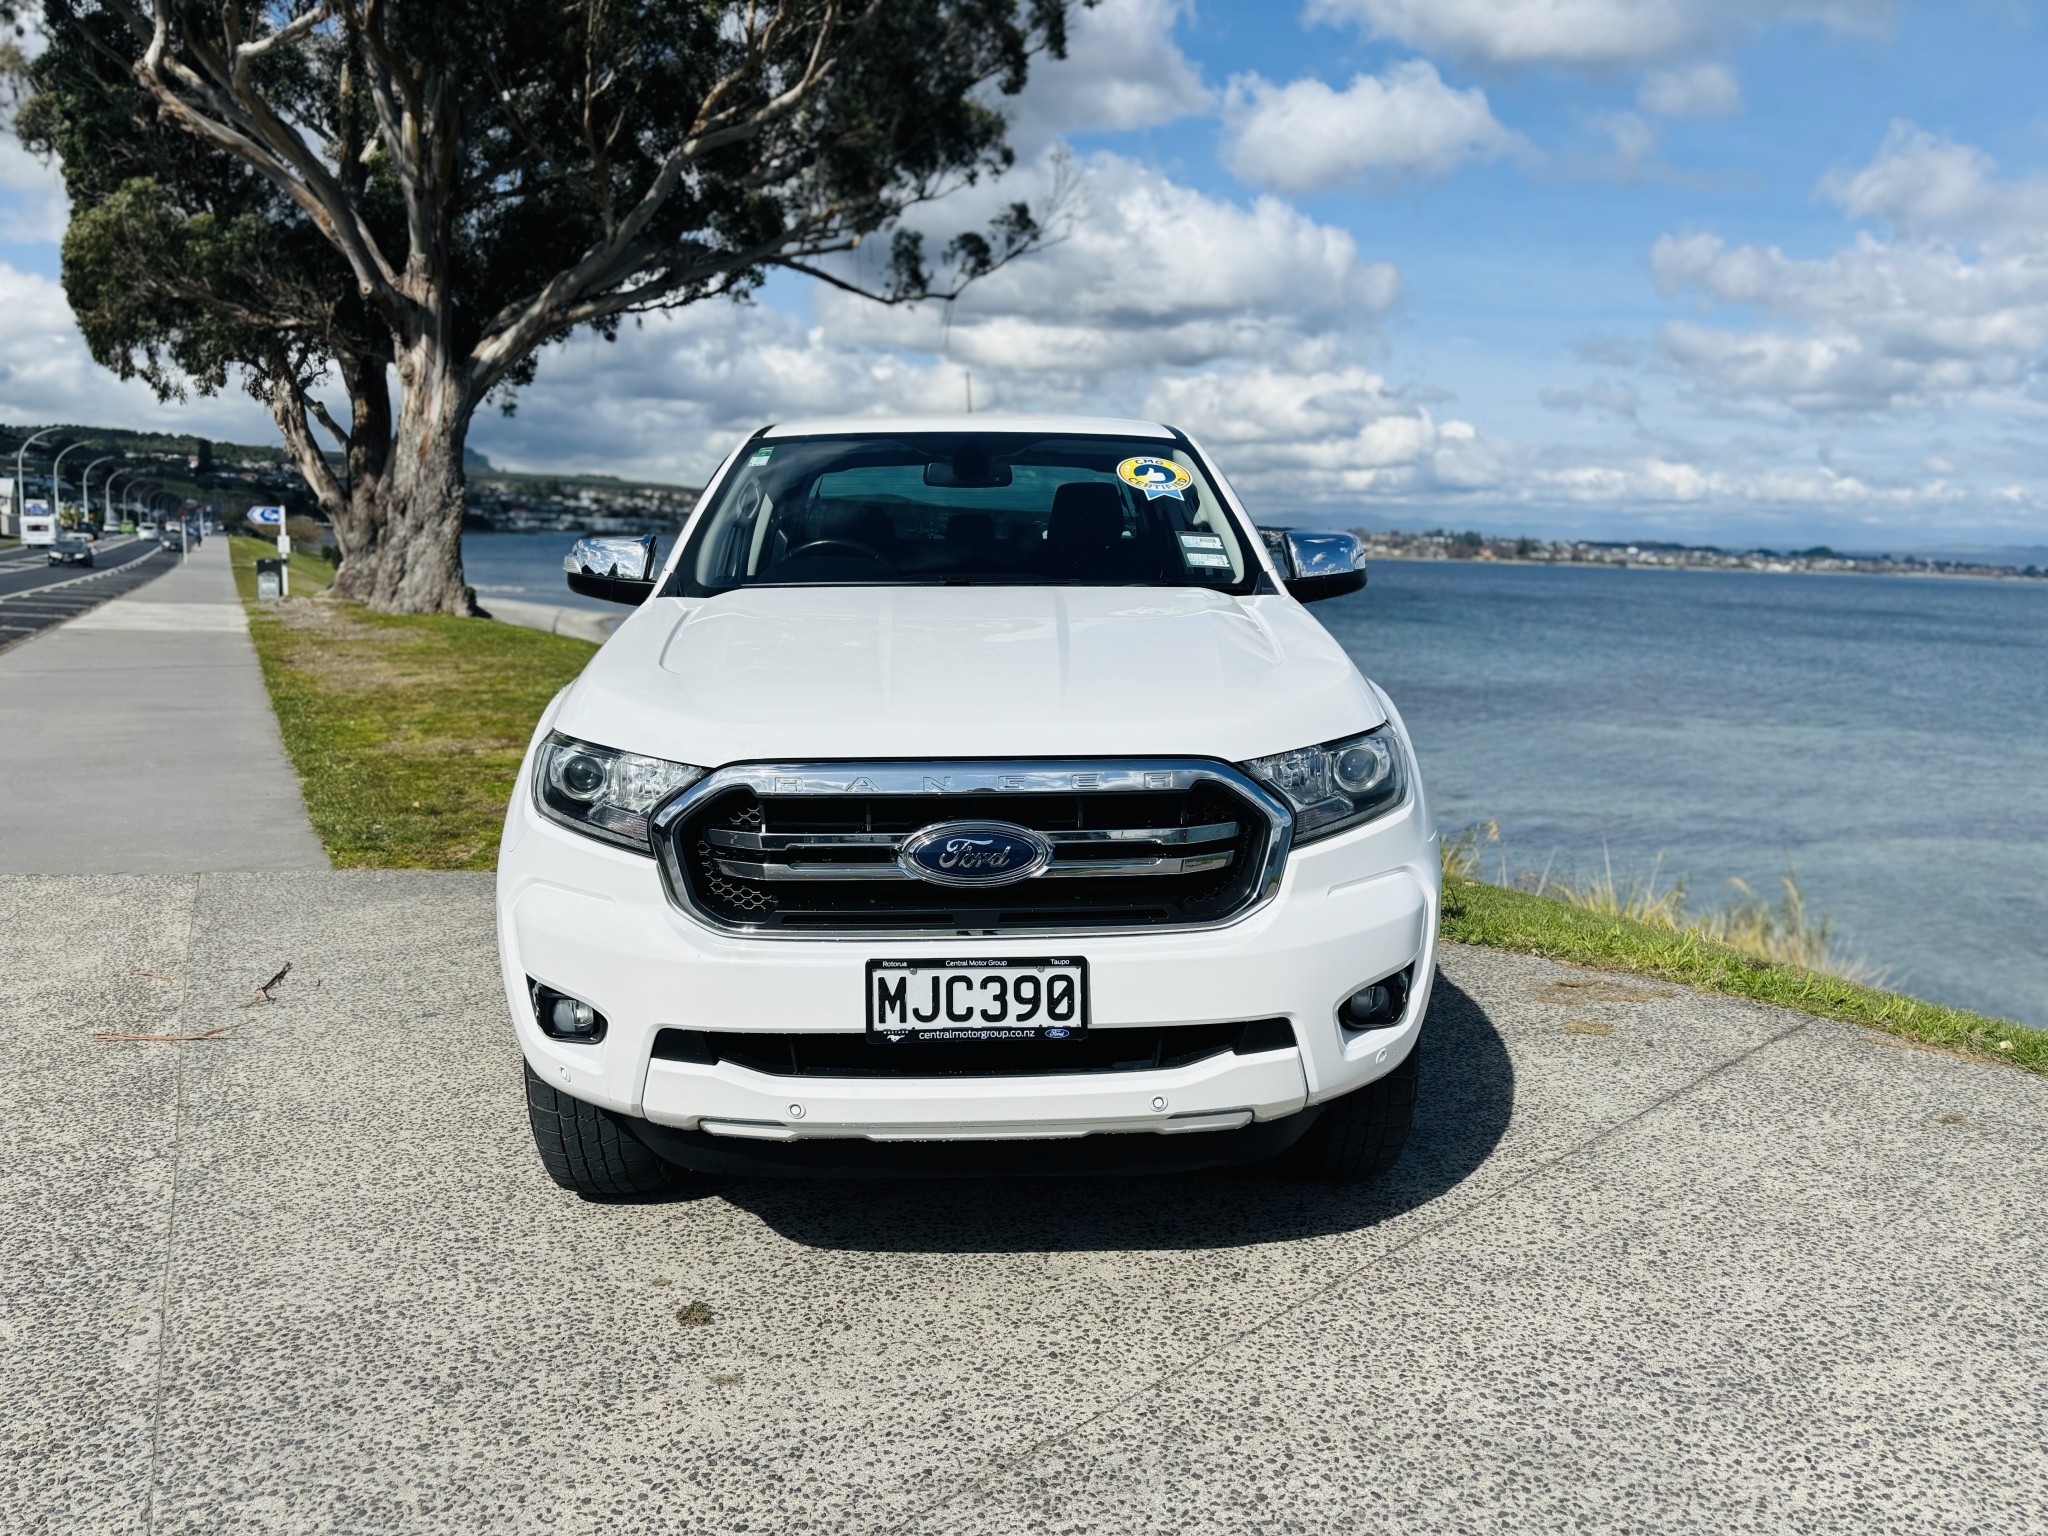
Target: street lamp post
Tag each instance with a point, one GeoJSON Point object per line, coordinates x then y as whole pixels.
{"type": "Point", "coordinates": [108, 491]}
{"type": "Point", "coordinates": [56, 493]}
{"type": "Point", "coordinates": [21, 465]}
{"type": "Point", "coordinates": [85, 483]}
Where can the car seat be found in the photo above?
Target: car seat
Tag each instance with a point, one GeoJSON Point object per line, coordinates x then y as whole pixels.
{"type": "Point", "coordinates": [1084, 534]}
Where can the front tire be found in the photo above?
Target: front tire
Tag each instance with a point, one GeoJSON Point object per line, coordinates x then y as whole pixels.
{"type": "Point", "coordinates": [1360, 1136]}
{"type": "Point", "coordinates": [588, 1151]}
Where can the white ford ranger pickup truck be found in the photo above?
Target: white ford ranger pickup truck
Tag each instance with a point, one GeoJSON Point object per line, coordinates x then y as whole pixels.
{"type": "Point", "coordinates": [968, 795]}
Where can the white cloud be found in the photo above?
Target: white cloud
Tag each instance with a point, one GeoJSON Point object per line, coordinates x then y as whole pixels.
{"type": "Point", "coordinates": [1304, 136]}
{"type": "Point", "coordinates": [1151, 274]}
{"type": "Point", "coordinates": [1952, 299]}
{"type": "Point", "coordinates": [1290, 437]}
{"type": "Point", "coordinates": [671, 396]}
{"type": "Point", "coordinates": [46, 375]}
{"type": "Point", "coordinates": [1920, 184]}
{"type": "Point", "coordinates": [1691, 90]}
{"type": "Point", "coordinates": [1153, 279]}
{"type": "Point", "coordinates": [33, 207]}
{"type": "Point", "coordinates": [1584, 34]}
{"type": "Point", "coordinates": [1122, 70]}
{"type": "Point", "coordinates": [1632, 154]}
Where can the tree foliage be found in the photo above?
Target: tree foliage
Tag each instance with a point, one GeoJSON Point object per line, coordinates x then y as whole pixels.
{"type": "Point", "coordinates": [437, 189]}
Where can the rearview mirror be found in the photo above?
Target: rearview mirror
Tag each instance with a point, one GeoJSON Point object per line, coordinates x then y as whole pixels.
{"type": "Point", "coordinates": [1316, 565]}
{"type": "Point", "coordinates": [969, 469]}
{"type": "Point", "coordinates": [612, 570]}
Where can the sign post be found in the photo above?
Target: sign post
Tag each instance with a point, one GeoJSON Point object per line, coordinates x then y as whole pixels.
{"type": "Point", "coordinates": [269, 518]}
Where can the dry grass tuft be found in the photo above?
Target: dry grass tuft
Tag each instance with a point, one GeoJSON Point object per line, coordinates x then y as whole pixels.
{"type": "Point", "coordinates": [1784, 933]}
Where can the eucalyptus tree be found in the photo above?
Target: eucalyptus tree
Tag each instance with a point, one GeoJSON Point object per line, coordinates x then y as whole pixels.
{"type": "Point", "coordinates": [428, 192]}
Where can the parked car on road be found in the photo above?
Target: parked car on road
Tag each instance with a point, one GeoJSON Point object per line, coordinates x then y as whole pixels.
{"type": "Point", "coordinates": [70, 550]}
{"type": "Point", "coordinates": [968, 799]}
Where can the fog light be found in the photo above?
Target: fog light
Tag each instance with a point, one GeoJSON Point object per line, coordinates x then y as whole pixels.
{"type": "Point", "coordinates": [1378, 1005]}
{"type": "Point", "coordinates": [562, 1017]}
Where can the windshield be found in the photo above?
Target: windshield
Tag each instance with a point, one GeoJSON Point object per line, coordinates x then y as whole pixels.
{"type": "Point", "coordinates": [968, 509]}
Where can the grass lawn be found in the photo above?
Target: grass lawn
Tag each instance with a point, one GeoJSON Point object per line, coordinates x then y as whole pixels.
{"type": "Point", "coordinates": [1538, 925]}
{"type": "Point", "coordinates": [406, 731]}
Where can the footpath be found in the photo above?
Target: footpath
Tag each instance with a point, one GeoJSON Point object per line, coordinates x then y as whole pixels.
{"type": "Point", "coordinates": [138, 738]}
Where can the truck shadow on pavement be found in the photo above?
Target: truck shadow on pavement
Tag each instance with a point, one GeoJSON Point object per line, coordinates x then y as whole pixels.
{"type": "Point", "coordinates": [1466, 1095]}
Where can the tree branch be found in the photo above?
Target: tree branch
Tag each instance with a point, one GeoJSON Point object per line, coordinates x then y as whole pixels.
{"type": "Point", "coordinates": [239, 123]}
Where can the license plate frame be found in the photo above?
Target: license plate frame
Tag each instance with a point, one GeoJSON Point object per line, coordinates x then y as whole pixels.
{"type": "Point", "coordinates": [946, 1026]}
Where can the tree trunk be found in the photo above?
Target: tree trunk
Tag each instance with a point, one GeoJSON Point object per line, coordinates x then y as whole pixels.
{"type": "Point", "coordinates": [359, 526]}
{"type": "Point", "coordinates": [416, 566]}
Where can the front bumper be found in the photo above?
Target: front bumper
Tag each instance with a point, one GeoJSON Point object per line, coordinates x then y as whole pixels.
{"type": "Point", "coordinates": [594, 922]}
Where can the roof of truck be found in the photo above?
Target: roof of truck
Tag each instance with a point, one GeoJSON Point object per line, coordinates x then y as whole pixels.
{"type": "Point", "coordinates": [990, 421]}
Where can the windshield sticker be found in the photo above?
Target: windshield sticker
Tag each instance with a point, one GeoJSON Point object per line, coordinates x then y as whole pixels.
{"type": "Point", "coordinates": [1155, 477]}
{"type": "Point", "coordinates": [760, 457]}
{"type": "Point", "coordinates": [1205, 560]}
{"type": "Point", "coordinates": [1200, 541]}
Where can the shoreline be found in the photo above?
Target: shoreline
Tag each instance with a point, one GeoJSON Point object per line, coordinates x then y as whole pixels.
{"type": "Point", "coordinates": [1706, 570]}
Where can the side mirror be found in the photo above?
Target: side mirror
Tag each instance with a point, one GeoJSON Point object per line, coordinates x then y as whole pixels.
{"type": "Point", "coordinates": [1316, 565]}
{"type": "Point", "coordinates": [612, 570]}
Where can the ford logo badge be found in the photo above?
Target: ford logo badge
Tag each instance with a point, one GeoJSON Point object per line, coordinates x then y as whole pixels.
{"type": "Point", "coordinates": [974, 853]}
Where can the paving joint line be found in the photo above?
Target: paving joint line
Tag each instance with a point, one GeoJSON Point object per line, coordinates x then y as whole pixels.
{"type": "Point", "coordinates": [163, 1303]}
{"type": "Point", "coordinates": [1017, 1461]}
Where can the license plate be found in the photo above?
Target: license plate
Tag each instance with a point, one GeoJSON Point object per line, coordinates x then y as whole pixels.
{"type": "Point", "coordinates": [968, 999]}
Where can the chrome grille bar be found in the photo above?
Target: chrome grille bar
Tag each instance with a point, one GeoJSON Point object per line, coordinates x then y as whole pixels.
{"type": "Point", "coordinates": [744, 869]}
{"type": "Point", "coordinates": [786, 842]}
{"type": "Point", "coordinates": [807, 842]}
{"type": "Point", "coordinates": [1081, 869]}
{"type": "Point", "coordinates": [1214, 832]}
{"type": "Point", "coordinates": [1059, 869]}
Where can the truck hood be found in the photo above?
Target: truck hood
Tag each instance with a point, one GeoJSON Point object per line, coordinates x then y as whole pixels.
{"type": "Point", "coordinates": [796, 673]}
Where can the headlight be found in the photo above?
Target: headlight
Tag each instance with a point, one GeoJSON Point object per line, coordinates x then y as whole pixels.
{"type": "Point", "coordinates": [1337, 785]}
{"type": "Point", "coordinates": [603, 793]}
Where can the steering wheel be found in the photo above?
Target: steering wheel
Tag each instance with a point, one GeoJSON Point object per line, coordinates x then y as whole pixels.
{"type": "Point", "coordinates": [853, 544]}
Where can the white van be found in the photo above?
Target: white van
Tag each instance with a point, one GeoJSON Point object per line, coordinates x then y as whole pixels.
{"type": "Point", "coordinates": [38, 523]}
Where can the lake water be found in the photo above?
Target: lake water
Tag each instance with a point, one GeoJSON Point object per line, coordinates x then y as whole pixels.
{"type": "Point", "coordinates": [1887, 737]}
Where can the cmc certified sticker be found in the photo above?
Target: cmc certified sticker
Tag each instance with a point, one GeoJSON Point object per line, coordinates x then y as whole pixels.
{"type": "Point", "coordinates": [1155, 477]}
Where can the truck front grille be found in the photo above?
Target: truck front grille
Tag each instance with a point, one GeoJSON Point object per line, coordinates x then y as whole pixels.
{"type": "Point", "coordinates": [816, 851]}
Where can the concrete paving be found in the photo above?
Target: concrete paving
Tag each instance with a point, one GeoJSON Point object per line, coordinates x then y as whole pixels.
{"type": "Point", "coordinates": [138, 739]}
{"type": "Point", "coordinates": [1719, 1268]}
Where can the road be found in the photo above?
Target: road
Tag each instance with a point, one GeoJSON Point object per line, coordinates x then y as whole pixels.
{"type": "Point", "coordinates": [35, 594]}
{"type": "Point", "coordinates": [1655, 1261]}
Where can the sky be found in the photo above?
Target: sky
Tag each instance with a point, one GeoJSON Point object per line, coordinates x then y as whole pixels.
{"type": "Point", "coordinates": [1740, 271]}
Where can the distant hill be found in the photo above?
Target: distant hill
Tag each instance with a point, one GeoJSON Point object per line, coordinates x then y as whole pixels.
{"type": "Point", "coordinates": [139, 444]}
{"type": "Point", "coordinates": [271, 456]}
